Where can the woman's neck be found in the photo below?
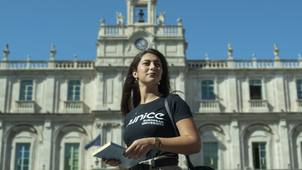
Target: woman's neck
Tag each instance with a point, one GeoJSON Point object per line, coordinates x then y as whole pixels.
{"type": "Point", "coordinates": [148, 95]}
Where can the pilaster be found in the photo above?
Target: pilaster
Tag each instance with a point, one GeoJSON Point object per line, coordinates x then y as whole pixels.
{"type": "Point", "coordinates": [46, 147]}
{"type": "Point", "coordinates": [3, 93]}
{"type": "Point", "coordinates": [234, 153]}
{"type": "Point", "coordinates": [280, 94]}
{"type": "Point", "coordinates": [1, 143]}
{"type": "Point", "coordinates": [284, 145]}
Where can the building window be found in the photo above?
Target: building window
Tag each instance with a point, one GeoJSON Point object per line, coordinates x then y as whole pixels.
{"type": "Point", "coordinates": [140, 14]}
{"type": "Point", "coordinates": [22, 156]}
{"type": "Point", "coordinates": [74, 88]}
{"type": "Point", "coordinates": [299, 89]}
{"type": "Point", "coordinates": [71, 156]}
{"type": "Point", "coordinates": [207, 90]}
{"type": "Point", "coordinates": [210, 154]}
{"type": "Point", "coordinates": [26, 90]}
{"type": "Point", "coordinates": [255, 89]}
{"type": "Point", "coordinates": [259, 155]}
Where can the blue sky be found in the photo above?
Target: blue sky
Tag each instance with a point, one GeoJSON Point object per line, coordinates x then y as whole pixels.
{"type": "Point", "coordinates": [251, 26]}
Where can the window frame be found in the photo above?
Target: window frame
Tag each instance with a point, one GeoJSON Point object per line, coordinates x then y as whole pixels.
{"type": "Point", "coordinates": [16, 155]}
{"type": "Point", "coordinates": [23, 137]}
{"type": "Point", "coordinates": [64, 158]}
{"type": "Point", "coordinates": [217, 152]}
{"type": "Point", "coordinates": [73, 91]}
{"type": "Point", "coordinates": [257, 136]}
{"type": "Point", "coordinates": [136, 11]}
{"type": "Point", "coordinates": [259, 154]}
{"type": "Point", "coordinates": [261, 90]}
{"type": "Point", "coordinates": [21, 90]}
{"type": "Point", "coordinates": [71, 137]}
{"type": "Point", "coordinates": [297, 89]}
{"type": "Point", "coordinates": [208, 91]}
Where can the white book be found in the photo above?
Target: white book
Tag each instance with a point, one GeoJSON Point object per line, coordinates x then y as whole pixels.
{"type": "Point", "coordinates": [112, 150]}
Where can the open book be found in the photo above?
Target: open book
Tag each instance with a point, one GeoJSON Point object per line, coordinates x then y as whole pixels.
{"type": "Point", "coordinates": [114, 151]}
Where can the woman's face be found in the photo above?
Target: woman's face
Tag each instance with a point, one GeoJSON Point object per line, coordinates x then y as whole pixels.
{"type": "Point", "coordinates": [149, 70]}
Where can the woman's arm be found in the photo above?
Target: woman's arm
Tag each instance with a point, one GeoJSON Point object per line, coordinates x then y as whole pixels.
{"type": "Point", "coordinates": [187, 143]}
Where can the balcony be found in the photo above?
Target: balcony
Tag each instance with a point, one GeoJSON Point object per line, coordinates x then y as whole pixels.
{"type": "Point", "coordinates": [209, 106]}
{"type": "Point", "coordinates": [25, 106]}
{"type": "Point", "coordinates": [74, 107]}
{"type": "Point", "coordinates": [258, 106]}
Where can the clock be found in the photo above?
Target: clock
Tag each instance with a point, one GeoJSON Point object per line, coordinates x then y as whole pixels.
{"type": "Point", "coordinates": [141, 44]}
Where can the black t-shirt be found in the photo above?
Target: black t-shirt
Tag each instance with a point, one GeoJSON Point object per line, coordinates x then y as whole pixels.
{"type": "Point", "coordinates": [152, 120]}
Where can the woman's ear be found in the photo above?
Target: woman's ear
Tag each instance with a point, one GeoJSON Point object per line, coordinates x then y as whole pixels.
{"type": "Point", "coordinates": [134, 74]}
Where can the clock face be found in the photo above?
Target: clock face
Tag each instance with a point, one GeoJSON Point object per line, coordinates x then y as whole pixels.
{"type": "Point", "coordinates": [141, 44]}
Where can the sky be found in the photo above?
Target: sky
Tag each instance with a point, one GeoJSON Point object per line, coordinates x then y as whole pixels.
{"type": "Point", "coordinates": [251, 26]}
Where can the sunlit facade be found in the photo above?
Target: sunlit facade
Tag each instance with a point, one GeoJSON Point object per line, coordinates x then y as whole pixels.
{"type": "Point", "coordinates": [248, 112]}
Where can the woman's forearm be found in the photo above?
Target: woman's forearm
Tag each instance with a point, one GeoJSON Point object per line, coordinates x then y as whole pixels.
{"type": "Point", "coordinates": [185, 144]}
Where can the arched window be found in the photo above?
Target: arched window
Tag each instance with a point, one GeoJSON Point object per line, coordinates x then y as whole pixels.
{"type": "Point", "coordinates": [297, 147]}
{"type": "Point", "coordinates": [69, 148]}
{"type": "Point", "coordinates": [257, 146]}
{"type": "Point", "coordinates": [212, 146]}
{"type": "Point", "coordinates": [20, 146]}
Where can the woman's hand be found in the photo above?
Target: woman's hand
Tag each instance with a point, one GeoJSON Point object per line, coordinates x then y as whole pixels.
{"type": "Point", "coordinates": [111, 162]}
{"type": "Point", "coordinates": [139, 147]}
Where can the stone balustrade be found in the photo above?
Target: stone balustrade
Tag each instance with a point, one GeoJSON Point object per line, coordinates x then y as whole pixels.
{"type": "Point", "coordinates": [44, 65]}
{"type": "Point", "coordinates": [169, 30]}
{"type": "Point", "coordinates": [244, 64]}
{"type": "Point", "coordinates": [209, 106]}
{"type": "Point", "coordinates": [25, 106]}
{"type": "Point", "coordinates": [120, 30]}
{"type": "Point", "coordinates": [192, 64]}
{"type": "Point", "coordinates": [258, 106]}
{"type": "Point", "coordinates": [74, 107]}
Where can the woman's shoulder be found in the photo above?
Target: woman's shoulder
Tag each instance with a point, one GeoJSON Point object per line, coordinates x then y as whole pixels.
{"type": "Point", "coordinates": [174, 97]}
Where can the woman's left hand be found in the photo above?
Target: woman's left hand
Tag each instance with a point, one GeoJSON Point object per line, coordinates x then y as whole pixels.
{"type": "Point", "coordinates": [139, 147]}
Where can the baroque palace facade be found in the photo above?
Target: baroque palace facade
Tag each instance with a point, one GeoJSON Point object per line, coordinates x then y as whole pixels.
{"type": "Point", "coordinates": [248, 112]}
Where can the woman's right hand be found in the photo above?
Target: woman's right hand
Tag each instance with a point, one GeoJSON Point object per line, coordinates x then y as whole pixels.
{"type": "Point", "coordinates": [111, 162]}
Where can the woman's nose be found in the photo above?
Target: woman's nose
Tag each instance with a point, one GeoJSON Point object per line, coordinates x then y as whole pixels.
{"type": "Point", "coordinates": [152, 65]}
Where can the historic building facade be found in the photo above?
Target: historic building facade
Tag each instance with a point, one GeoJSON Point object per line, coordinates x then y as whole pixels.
{"type": "Point", "coordinates": [248, 112]}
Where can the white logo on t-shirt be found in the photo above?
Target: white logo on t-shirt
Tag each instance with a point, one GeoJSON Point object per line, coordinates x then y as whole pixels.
{"type": "Point", "coordinates": [151, 118]}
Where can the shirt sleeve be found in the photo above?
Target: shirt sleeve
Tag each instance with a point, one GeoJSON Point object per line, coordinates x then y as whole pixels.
{"type": "Point", "coordinates": [179, 108]}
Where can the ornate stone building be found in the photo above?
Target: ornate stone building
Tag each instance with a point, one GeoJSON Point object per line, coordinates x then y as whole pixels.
{"type": "Point", "coordinates": [248, 112]}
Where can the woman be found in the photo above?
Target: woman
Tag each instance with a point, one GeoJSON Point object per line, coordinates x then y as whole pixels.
{"type": "Point", "coordinates": [147, 128]}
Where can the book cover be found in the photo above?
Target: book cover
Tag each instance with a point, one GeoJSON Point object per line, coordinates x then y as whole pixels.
{"type": "Point", "coordinates": [114, 151]}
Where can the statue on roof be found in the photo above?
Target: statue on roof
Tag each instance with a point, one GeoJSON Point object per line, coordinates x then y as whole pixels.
{"type": "Point", "coordinates": [179, 21]}
{"type": "Point", "coordinates": [6, 52]}
{"type": "Point", "coordinates": [119, 18]}
{"type": "Point", "coordinates": [230, 51]}
{"type": "Point", "coordinates": [276, 51]}
{"type": "Point", "coordinates": [161, 18]}
{"type": "Point", "coordinates": [52, 52]}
